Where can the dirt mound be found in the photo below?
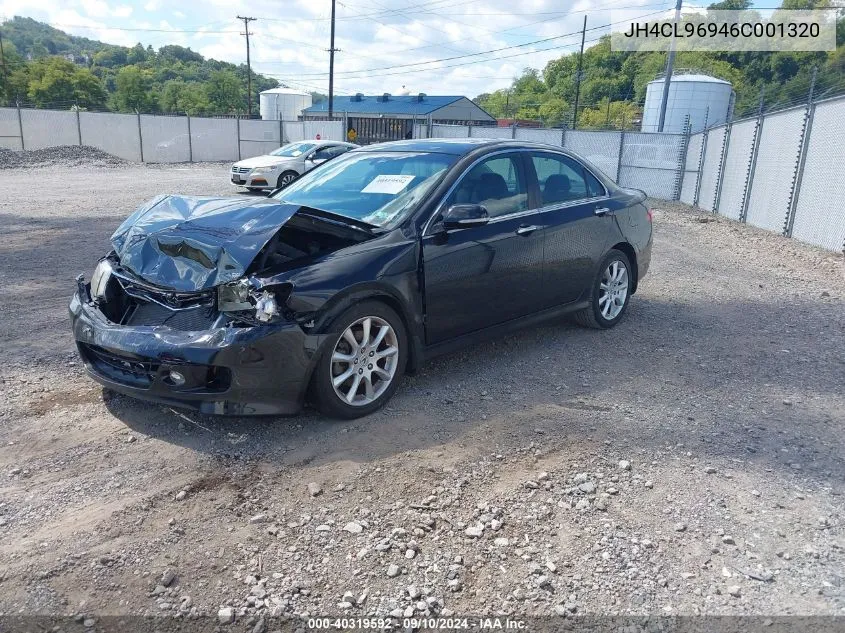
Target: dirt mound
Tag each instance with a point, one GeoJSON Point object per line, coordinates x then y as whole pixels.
{"type": "Point", "coordinates": [64, 155]}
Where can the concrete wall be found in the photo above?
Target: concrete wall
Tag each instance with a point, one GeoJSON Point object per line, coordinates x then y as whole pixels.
{"type": "Point", "coordinates": [156, 139]}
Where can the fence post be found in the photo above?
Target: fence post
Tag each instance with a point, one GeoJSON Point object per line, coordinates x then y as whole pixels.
{"type": "Point", "coordinates": [726, 140]}
{"type": "Point", "coordinates": [752, 165]}
{"type": "Point", "coordinates": [20, 125]}
{"type": "Point", "coordinates": [238, 128]}
{"type": "Point", "coordinates": [281, 132]}
{"type": "Point", "coordinates": [682, 160]}
{"type": "Point", "coordinates": [190, 141]}
{"type": "Point", "coordinates": [802, 158]}
{"type": "Point", "coordinates": [513, 131]}
{"type": "Point", "coordinates": [469, 130]}
{"type": "Point", "coordinates": [78, 126]}
{"type": "Point", "coordinates": [140, 136]}
{"type": "Point", "coordinates": [704, 138]}
{"type": "Point", "coordinates": [346, 125]}
{"type": "Point", "coordinates": [428, 127]}
{"type": "Point", "coordinates": [619, 159]}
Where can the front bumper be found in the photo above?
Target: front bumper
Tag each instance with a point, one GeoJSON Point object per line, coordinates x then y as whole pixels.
{"type": "Point", "coordinates": [261, 370]}
{"type": "Point", "coordinates": [265, 180]}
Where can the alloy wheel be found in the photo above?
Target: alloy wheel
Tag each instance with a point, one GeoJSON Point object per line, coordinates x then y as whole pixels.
{"type": "Point", "coordinates": [364, 361]}
{"type": "Point", "coordinates": [286, 180]}
{"type": "Point", "coordinates": [613, 289]}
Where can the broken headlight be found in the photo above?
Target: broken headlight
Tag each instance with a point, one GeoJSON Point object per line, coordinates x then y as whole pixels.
{"type": "Point", "coordinates": [252, 302]}
{"type": "Point", "coordinates": [100, 279]}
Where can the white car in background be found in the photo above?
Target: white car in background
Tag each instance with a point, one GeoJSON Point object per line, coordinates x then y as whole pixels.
{"type": "Point", "coordinates": [284, 165]}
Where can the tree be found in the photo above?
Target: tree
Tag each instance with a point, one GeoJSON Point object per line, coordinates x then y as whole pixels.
{"type": "Point", "coordinates": [173, 52]}
{"type": "Point", "coordinates": [554, 112]}
{"type": "Point", "coordinates": [609, 114]}
{"type": "Point", "coordinates": [111, 57]}
{"type": "Point", "coordinates": [88, 90]}
{"type": "Point", "coordinates": [51, 83]}
{"type": "Point", "coordinates": [57, 82]}
{"type": "Point", "coordinates": [224, 92]}
{"type": "Point", "coordinates": [136, 55]}
{"type": "Point", "coordinates": [179, 96]}
{"type": "Point", "coordinates": [730, 5]}
{"type": "Point", "coordinates": [134, 90]}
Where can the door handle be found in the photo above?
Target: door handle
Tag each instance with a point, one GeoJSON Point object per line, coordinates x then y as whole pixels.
{"type": "Point", "coordinates": [602, 210]}
{"type": "Point", "coordinates": [526, 230]}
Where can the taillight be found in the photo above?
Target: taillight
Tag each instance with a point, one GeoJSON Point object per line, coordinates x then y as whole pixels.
{"type": "Point", "coordinates": [650, 215]}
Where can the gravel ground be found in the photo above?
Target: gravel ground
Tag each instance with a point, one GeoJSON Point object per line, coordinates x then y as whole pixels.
{"type": "Point", "coordinates": [688, 461]}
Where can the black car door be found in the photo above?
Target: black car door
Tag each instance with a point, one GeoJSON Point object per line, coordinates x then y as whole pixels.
{"type": "Point", "coordinates": [574, 209]}
{"type": "Point", "coordinates": [481, 276]}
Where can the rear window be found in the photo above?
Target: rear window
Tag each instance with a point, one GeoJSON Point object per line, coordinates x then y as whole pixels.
{"type": "Point", "coordinates": [379, 188]}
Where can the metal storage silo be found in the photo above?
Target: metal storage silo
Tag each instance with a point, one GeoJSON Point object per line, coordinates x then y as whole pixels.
{"type": "Point", "coordinates": [699, 96]}
{"type": "Point", "coordinates": [283, 103]}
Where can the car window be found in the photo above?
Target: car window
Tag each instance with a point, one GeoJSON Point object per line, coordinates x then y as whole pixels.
{"type": "Point", "coordinates": [292, 150]}
{"type": "Point", "coordinates": [324, 153]}
{"type": "Point", "coordinates": [595, 188]}
{"type": "Point", "coordinates": [561, 179]}
{"type": "Point", "coordinates": [496, 183]}
{"type": "Point", "coordinates": [379, 188]}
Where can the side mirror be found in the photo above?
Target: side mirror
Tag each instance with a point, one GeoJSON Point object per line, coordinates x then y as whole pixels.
{"type": "Point", "coordinates": [465, 216]}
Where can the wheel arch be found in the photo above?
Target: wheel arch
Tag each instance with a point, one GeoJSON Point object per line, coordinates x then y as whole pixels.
{"type": "Point", "coordinates": [335, 306]}
{"type": "Point", "coordinates": [629, 251]}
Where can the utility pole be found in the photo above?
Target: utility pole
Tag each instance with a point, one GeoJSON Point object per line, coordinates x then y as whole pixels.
{"type": "Point", "coordinates": [3, 60]}
{"type": "Point", "coordinates": [248, 67]}
{"type": "Point", "coordinates": [670, 63]}
{"type": "Point", "coordinates": [578, 75]}
{"type": "Point", "coordinates": [332, 50]}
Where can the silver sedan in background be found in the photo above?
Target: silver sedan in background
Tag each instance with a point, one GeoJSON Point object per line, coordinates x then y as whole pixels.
{"type": "Point", "coordinates": [281, 167]}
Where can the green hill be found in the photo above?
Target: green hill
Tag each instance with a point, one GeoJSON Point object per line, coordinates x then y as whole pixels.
{"type": "Point", "coordinates": [46, 67]}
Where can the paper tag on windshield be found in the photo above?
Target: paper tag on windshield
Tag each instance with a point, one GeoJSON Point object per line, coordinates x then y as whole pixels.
{"type": "Point", "coordinates": [388, 183]}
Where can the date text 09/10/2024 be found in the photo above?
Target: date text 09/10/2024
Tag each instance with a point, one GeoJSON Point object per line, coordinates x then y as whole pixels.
{"type": "Point", "coordinates": [387, 623]}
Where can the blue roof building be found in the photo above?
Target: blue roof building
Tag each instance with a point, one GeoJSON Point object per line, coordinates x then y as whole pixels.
{"type": "Point", "coordinates": [445, 109]}
{"type": "Point", "coordinates": [373, 119]}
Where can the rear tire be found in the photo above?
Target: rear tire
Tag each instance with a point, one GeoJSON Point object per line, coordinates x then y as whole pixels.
{"type": "Point", "coordinates": [363, 364]}
{"type": "Point", "coordinates": [611, 293]}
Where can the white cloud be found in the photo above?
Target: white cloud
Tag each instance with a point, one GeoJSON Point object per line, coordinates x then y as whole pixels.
{"type": "Point", "coordinates": [95, 8]}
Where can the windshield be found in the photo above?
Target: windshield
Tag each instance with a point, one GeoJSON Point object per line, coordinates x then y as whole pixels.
{"type": "Point", "coordinates": [292, 150]}
{"type": "Point", "coordinates": [378, 188]}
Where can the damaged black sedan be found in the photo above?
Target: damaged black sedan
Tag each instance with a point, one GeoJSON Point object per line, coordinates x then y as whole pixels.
{"type": "Point", "coordinates": [334, 287]}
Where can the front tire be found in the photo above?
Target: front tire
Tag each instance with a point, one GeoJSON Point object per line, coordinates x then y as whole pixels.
{"type": "Point", "coordinates": [611, 293]}
{"type": "Point", "coordinates": [286, 178]}
{"type": "Point", "coordinates": [362, 366]}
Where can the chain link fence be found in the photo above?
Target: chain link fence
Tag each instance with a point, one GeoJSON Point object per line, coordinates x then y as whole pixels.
{"type": "Point", "coordinates": [781, 171]}
{"type": "Point", "coordinates": [156, 138]}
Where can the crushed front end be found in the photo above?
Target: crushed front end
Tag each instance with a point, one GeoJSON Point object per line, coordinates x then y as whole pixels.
{"type": "Point", "coordinates": [179, 348]}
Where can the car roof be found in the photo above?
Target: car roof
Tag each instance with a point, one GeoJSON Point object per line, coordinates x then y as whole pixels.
{"type": "Point", "coordinates": [320, 142]}
{"type": "Point", "coordinates": [456, 146]}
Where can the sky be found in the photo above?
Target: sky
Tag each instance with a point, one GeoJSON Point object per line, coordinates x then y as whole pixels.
{"type": "Point", "coordinates": [385, 45]}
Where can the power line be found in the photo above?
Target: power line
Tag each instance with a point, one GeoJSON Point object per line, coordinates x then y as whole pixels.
{"type": "Point", "coordinates": [495, 50]}
{"type": "Point", "coordinates": [398, 30]}
{"type": "Point", "coordinates": [118, 28]}
{"type": "Point", "coordinates": [247, 20]}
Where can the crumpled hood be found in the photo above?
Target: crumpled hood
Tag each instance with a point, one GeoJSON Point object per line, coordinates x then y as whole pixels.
{"type": "Point", "coordinates": [189, 243]}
